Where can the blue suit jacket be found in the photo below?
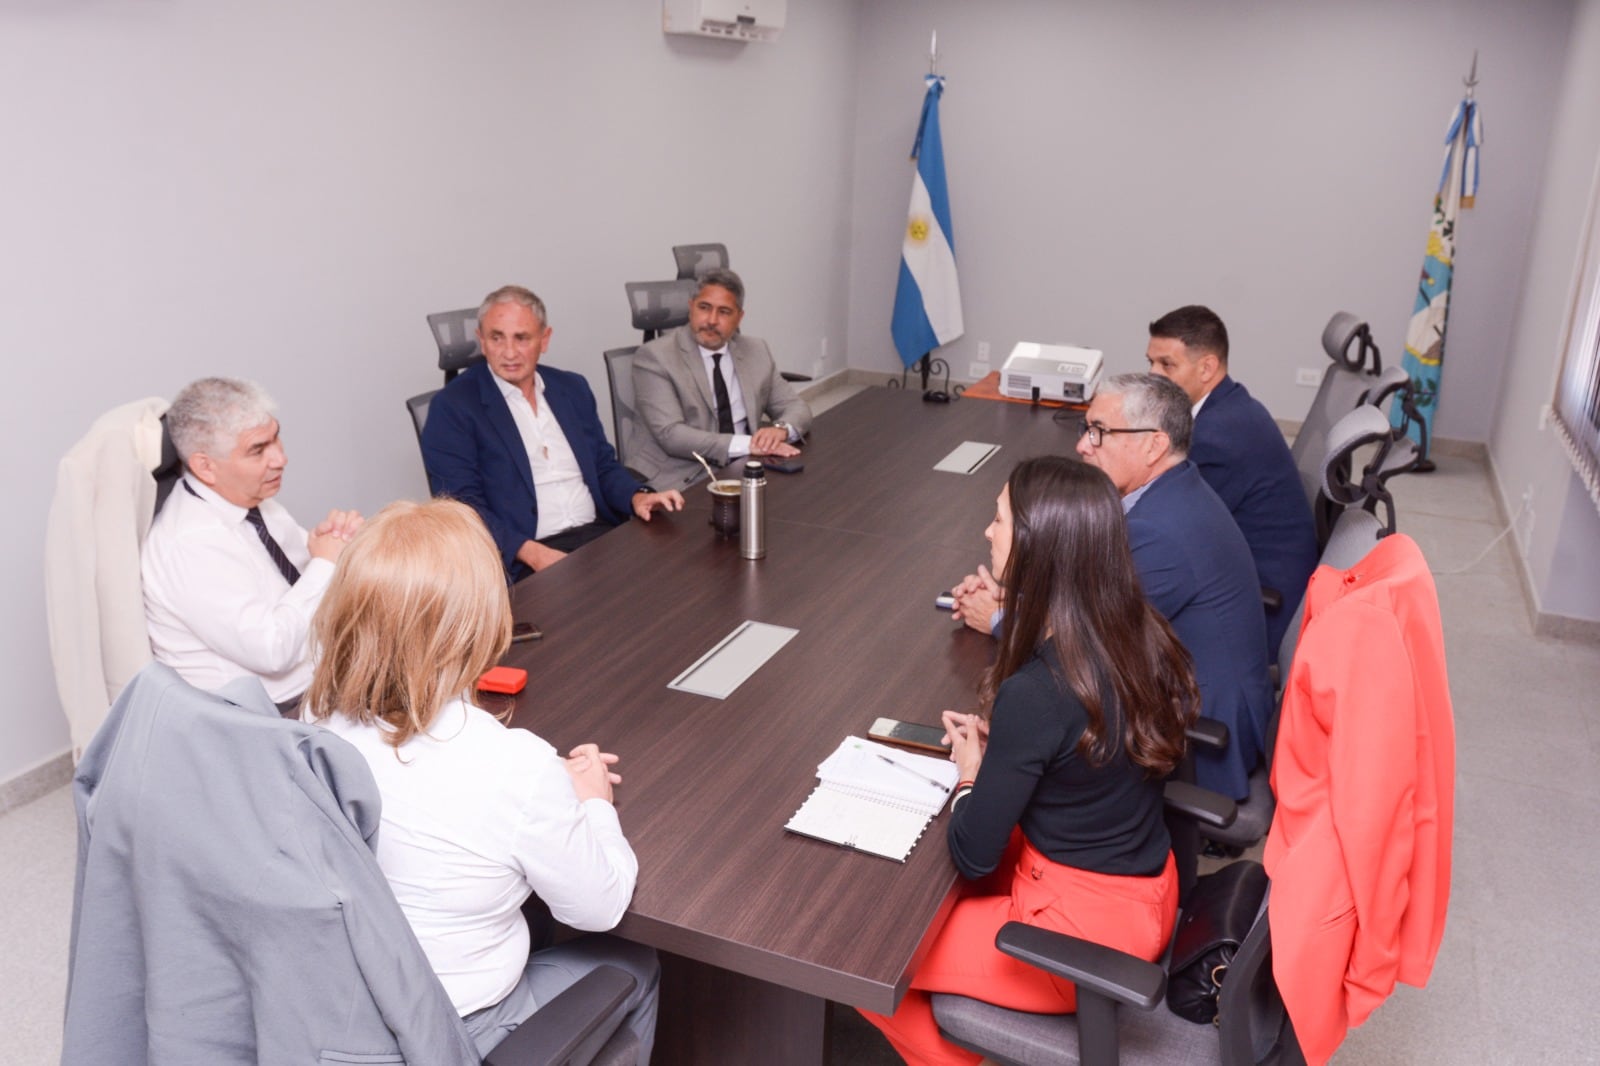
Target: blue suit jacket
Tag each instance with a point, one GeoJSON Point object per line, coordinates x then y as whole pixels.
{"type": "Point", "coordinates": [473, 453]}
{"type": "Point", "coordinates": [1196, 570]}
{"type": "Point", "coordinates": [1243, 457]}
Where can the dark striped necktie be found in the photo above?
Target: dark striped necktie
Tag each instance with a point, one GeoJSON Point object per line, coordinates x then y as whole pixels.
{"type": "Point", "coordinates": [719, 385]}
{"type": "Point", "coordinates": [280, 560]}
{"type": "Point", "coordinates": [290, 573]}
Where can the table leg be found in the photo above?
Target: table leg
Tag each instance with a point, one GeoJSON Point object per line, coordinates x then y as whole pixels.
{"type": "Point", "coordinates": [710, 1015]}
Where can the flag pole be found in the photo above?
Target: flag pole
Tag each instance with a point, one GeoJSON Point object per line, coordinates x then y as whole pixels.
{"type": "Point", "coordinates": [927, 302]}
{"type": "Point", "coordinates": [925, 364]}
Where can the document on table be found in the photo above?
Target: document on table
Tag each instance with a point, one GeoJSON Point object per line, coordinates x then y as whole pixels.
{"type": "Point", "coordinates": [874, 798]}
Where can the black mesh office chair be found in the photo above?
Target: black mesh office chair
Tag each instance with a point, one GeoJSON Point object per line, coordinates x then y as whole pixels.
{"type": "Point", "coordinates": [1393, 388]}
{"type": "Point", "coordinates": [695, 259]}
{"type": "Point", "coordinates": [658, 306]}
{"type": "Point", "coordinates": [456, 335]}
{"type": "Point", "coordinates": [1356, 364]}
{"type": "Point", "coordinates": [626, 425]}
{"type": "Point", "coordinates": [1343, 487]}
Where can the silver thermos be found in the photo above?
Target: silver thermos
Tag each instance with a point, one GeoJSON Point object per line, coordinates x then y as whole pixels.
{"type": "Point", "coordinates": [753, 511]}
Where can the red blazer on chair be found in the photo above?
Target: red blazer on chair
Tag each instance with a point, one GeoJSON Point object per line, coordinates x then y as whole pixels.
{"type": "Point", "coordinates": [1364, 773]}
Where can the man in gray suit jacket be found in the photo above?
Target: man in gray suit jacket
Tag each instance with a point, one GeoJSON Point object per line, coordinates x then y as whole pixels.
{"type": "Point", "coordinates": [691, 402]}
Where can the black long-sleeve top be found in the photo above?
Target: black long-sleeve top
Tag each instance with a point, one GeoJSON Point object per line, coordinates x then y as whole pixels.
{"type": "Point", "coordinates": [1105, 819]}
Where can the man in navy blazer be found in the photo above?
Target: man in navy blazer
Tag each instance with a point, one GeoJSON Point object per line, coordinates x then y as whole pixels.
{"type": "Point", "coordinates": [1242, 455]}
{"type": "Point", "coordinates": [1193, 563]}
{"type": "Point", "coordinates": [1192, 560]}
{"type": "Point", "coordinates": [522, 444]}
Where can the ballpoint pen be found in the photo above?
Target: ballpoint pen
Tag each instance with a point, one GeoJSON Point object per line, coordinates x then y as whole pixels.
{"type": "Point", "coordinates": [919, 776]}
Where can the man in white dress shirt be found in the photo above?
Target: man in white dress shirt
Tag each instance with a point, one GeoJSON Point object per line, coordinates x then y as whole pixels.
{"type": "Point", "coordinates": [230, 579]}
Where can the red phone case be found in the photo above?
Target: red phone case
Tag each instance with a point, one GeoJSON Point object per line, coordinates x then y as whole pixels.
{"type": "Point", "coordinates": [507, 679]}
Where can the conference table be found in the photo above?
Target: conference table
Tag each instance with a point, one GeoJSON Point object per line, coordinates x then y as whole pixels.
{"type": "Point", "coordinates": [758, 927]}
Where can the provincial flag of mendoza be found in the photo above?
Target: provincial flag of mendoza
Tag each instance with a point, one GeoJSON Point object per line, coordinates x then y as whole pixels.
{"type": "Point", "coordinates": [927, 301]}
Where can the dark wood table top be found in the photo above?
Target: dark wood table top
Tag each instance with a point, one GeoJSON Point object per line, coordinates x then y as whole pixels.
{"type": "Point", "coordinates": [859, 543]}
{"type": "Point", "coordinates": [869, 466]}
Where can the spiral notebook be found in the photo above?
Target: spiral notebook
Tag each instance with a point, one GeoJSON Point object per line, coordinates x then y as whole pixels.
{"type": "Point", "coordinates": [874, 798]}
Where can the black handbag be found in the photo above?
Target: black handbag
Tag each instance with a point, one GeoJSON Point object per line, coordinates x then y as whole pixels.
{"type": "Point", "coordinates": [1218, 915]}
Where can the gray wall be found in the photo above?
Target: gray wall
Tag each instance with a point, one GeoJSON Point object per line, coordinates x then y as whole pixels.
{"type": "Point", "coordinates": [1559, 536]}
{"type": "Point", "coordinates": [1109, 161]}
{"type": "Point", "coordinates": [283, 190]}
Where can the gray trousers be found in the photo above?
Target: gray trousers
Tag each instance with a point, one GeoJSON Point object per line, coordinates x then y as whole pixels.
{"type": "Point", "coordinates": [553, 970]}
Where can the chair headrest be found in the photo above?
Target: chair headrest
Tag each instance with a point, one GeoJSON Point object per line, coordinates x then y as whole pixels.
{"type": "Point", "coordinates": [1365, 425]}
{"type": "Point", "coordinates": [456, 334]}
{"type": "Point", "coordinates": [695, 259]}
{"type": "Point", "coordinates": [1344, 331]}
{"type": "Point", "coordinates": [1385, 385]}
{"type": "Point", "coordinates": [660, 305]}
{"type": "Point", "coordinates": [1355, 533]}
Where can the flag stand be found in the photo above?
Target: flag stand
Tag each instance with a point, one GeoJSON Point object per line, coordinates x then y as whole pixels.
{"type": "Point", "coordinates": [927, 366]}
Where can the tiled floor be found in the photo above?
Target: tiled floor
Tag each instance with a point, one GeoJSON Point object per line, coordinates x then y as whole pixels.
{"type": "Point", "coordinates": [1515, 981]}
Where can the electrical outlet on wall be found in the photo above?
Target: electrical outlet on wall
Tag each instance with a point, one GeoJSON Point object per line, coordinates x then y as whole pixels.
{"type": "Point", "coordinates": [1308, 376]}
{"type": "Point", "coordinates": [977, 371]}
{"type": "Point", "coordinates": [983, 352]}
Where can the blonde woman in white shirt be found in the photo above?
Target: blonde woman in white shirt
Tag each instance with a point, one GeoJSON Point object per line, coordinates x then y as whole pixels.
{"type": "Point", "coordinates": [476, 816]}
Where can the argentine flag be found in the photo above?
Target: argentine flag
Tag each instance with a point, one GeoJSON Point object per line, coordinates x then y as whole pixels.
{"type": "Point", "coordinates": [927, 302]}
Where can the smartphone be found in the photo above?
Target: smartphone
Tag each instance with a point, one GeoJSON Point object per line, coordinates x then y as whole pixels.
{"type": "Point", "coordinates": [522, 631]}
{"type": "Point", "coordinates": [792, 465]}
{"type": "Point", "coordinates": [945, 601]}
{"type": "Point", "coordinates": [910, 735]}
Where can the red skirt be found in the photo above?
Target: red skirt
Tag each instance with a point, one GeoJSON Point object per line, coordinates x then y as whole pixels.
{"type": "Point", "coordinates": [1131, 914]}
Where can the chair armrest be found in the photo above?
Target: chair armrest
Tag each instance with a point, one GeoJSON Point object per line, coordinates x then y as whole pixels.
{"type": "Point", "coordinates": [1201, 804]}
{"type": "Point", "coordinates": [1095, 967]}
{"type": "Point", "coordinates": [554, 1031]}
{"type": "Point", "coordinates": [1271, 598]}
{"type": "Point", "coordinates": [1207, 733]}
{"type": "Point", "coordinates": [789, 375]}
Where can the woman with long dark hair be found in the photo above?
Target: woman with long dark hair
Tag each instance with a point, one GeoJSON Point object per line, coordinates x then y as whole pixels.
{"type": "Point", "coordinates": [1059, 804]}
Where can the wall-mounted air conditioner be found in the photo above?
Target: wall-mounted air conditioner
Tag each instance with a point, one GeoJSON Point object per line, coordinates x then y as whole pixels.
{"type": "Point", "coordinates": [731, 20]}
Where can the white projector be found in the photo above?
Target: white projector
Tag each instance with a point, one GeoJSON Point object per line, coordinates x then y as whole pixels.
{"type": "Point", "coordinates": [1050, 372]}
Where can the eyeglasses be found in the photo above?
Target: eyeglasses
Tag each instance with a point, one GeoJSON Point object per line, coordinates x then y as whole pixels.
{"type": "Point", "coordinates": [1097, 432]}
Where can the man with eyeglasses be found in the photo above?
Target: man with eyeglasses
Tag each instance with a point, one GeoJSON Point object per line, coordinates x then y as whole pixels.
{"type": "Point", "coordinates": [1192, 560]}
{"type": "Point", "coordinates": [1243, 456]}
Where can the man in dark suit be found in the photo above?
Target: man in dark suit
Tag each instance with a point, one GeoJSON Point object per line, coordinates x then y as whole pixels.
{"type": "Point", "coordinates": [522, 444]}
{"type": "Point", "coordinates": [1192, 560]}
{"type": "Point", "coordinates": [704, 388]}
{"type": "Point", "coordinates": [1242, 455]}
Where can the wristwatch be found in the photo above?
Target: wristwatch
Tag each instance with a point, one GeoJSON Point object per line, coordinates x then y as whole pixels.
{"type": "Point", "coordinates": [788, 430]}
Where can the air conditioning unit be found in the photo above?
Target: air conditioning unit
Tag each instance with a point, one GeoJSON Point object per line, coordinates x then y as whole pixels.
{"type": "Point", "coordinates": [1051, 372]}
{"type": "Point", "coordinates": [731, 20]}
